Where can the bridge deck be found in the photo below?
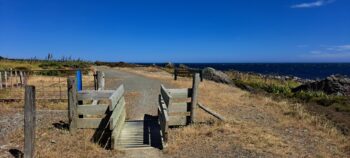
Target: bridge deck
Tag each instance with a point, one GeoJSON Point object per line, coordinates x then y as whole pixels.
{"type": "Point", "coordinates": [139, 134]}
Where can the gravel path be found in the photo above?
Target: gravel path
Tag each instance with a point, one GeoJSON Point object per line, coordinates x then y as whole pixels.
{"type": "Point", "coordinates": [141, 99]}
{"type": "Point", "coordinates": [145, 90]}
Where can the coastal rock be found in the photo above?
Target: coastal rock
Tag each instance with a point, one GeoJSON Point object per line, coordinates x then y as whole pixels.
{"type": "Point", "coordinates": [335, 84]}
{"type": "Point", "coordinates": [215, 75]}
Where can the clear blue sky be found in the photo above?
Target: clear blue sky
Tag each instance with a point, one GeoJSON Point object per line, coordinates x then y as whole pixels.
{"type": "Point", "coordinates": [178, 30]}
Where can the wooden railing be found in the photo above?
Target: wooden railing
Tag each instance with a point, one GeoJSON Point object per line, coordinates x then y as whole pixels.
{"type": "Point", "coordinates": [110, 116]}
{"type": "Point", "coordinates": [174, 109]}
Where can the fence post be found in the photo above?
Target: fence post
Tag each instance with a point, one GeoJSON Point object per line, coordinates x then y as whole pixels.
{"type": "Point", "coordinates": [5, 78]}
{"type": "Point", "coordinates": [0, 80]}
{"type": "Point", "coordinates": [72, 104]}
{"type": "Point", "coordinates": [16, 79]}
{"type": "Point", "coordinates": [100, 80]}
{"type": "Point", "coordinates": [21, 78]}
{"type": "Point", "coordinates": [175, 74]}
{"type": "Point", "coordinates": [11, 78]}
{"type": "Point", "coordinates": [194, 98]}
{"type": "Point", "coordinates": [29, 122]}
{"type": "Point", "coordinates": [25, 78]}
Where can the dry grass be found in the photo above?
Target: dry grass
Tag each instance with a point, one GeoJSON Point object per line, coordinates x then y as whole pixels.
{"type": "Point", "coordinates": [54, 140]}
{"type": "Point", "coordinates": [47, 87]}
{"type": "Point", "coordinates": [258, 126]}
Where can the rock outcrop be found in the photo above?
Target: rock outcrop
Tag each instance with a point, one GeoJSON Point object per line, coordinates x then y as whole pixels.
{"type": "Point", "coordinates": [335, 84]}
{"type": "Point", "coordinates": [215, 75]}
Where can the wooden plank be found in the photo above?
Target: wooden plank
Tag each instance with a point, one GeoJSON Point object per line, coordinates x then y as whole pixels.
{"type": "Point", "coordinates": [163, 119]}
{"type": "Point", "coordinates": [216, 115]}
{"type": "Point", "coordinates": [117, 113]}
{"type": "Point", "coordinates": [1, 80]}
{"type": "Point", "coordinates": [179, 114]}
{"type": "Point", "coordinates": [180, 93]}
{"type": "Point", "coordinates": [72, 104]}
{"type": "Point", "coordinates": [16, 79]}
{"type": "Point", "coordinates": [88, 122]}
{"type": "Point", "coordinates": [177, 120]}
{"type": "Point", "coordinates": [115, 97]}
{"type": "Point", "coordinates": [165, 95]}
{"type": "Point", "coordinates": [100, 80]}
{"type": "Point", "coordinates": [29, 122]}
{"type": "Point", "coordinates": [94, 95]}
{"type": "Point", "coordinates": [194, 100]}
{"type": "Point", "coordinates": [118, 129]}
{"type": "Point", "coordinates": [179, 107]}
{"type": "Point", "coordinates": [99, 109]}
{"type": "Point", "coordinates": [5, 77]}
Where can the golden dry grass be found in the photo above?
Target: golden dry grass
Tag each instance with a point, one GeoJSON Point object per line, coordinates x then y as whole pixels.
{"type": "Point", "coordinates": [257, 126]}
{"type": "Point", "coordinates": [47, 87]}
{"type": "Point", "coordinates": [54, 140]}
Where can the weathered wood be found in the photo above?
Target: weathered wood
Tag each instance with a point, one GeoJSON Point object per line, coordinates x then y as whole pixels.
{"type": "Point", "coordinates": [21, 78]}
{"type": "Point", "coordinates": [92, 109]}
{"type": "Point", "coordinates": [163, 119]}
{"type": "Point", "coordinates": [118, 129]}
{"type": "Point", "coordinates": [178, 107]}
{"type": "Point", "coordinates": [117, 112]}
{"type": "Point", "coordinates": [194, 101]}
{"type": "Point", "coordinates": [165, 95]}
{"type": "Point", "coordinates": [115, 97]}
{"type": "Point", "coordinates": [16, 79]}
{"type": "Point", "coordinates": [11, 84]}
{"type": "Point", "coordinates": [5, 77]}
{"type": "Point", "coordinates": [72, 104]}
{"type": "Point", "coordinates": [179, 114]}
{"type": "Point", "coordinates": [1, 80]}
{"type": "Point", "coordinates": [29, 122]}
{"type": "Point", "coordinates": [88, 123]}
{"type": "Point", "coordinates": [101, 80]}
{"type": "Point", "coordinates": [180, 93]}
{"type": "Point", "coordinates": [216, 115]}
{"type": "Point", "coordinates": [94, 95]}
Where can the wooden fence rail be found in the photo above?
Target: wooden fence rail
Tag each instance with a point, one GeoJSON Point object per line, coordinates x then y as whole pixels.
{"type": "Point", "coordinates": [112, 115]}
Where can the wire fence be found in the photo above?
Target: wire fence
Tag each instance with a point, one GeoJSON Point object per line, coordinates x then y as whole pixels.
{"type": "Point", "coordinates": [51, 85]}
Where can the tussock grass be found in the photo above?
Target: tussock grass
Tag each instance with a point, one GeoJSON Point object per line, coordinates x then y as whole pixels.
{"type": "Point", "coordinates": [258, 125]}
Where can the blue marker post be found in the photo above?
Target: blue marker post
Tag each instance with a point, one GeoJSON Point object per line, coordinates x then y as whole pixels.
{"type": "Point", "coordinates": [79, 80]}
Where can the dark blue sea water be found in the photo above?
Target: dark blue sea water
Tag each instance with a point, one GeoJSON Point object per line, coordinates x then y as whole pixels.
{"type": "Point", "coordinates": [302, 70]}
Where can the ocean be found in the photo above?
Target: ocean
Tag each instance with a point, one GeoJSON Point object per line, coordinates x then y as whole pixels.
{"type": "Point", "coordinates": [302, 70]}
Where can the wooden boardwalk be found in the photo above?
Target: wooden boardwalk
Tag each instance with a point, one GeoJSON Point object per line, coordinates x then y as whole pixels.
{"type": "Point", "coordinates": [140, 134]}
{"type": "Point", "coordinates": [133, 136]}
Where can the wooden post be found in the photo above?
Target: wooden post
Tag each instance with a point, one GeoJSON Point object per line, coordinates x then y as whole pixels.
{"type": "Point", "coordinates": [21, 78]}
{"type": "Point", "coordinates": [95, 81]}
{"type": "Point", "coordinates": [5, 76]}
{"type": "Point", "coordinates": [0, 80]}
{"type": "Point", "coordinates": [25, 78]}
{"type": "Point", "coordinates": [194, 100]}
{"type": "Point", "coordinates": [100, 80]}
{"type": "Point", "coordinates": [11, 84]}
{"type": "Point", "coordinates": [175, 74]}
{"type": "Point", "coordinates": [72, 104]}
{"type": "Point", "coordinates": [16, 79]}
{"type": "Point", "coordinates": [29, 122]}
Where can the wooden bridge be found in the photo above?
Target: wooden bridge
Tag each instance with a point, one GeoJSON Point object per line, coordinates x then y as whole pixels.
{"type": "Point", "coordinates": [104, 110]}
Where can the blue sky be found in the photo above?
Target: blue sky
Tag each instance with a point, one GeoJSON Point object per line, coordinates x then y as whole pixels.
{"type": "Point", "coordinates": [178, 30]}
